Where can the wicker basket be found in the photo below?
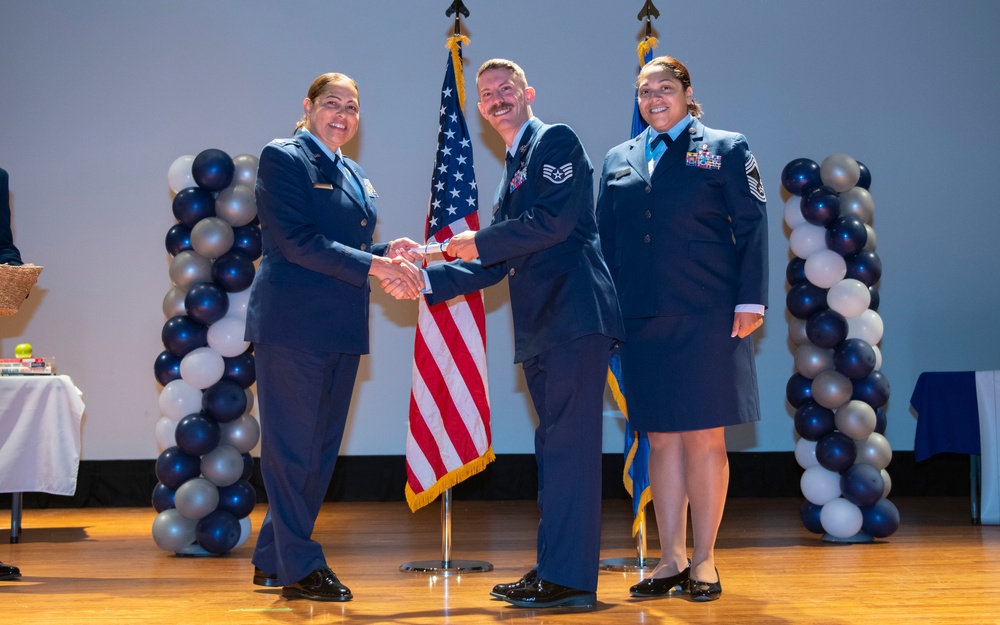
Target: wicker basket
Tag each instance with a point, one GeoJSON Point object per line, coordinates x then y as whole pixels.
{"type": "Point", "coordinates": [15, 283]}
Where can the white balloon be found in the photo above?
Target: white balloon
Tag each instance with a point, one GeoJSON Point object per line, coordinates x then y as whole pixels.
{"type": "Point", "coordinates": [202, 367]}
{"type": "Point", "coordinates": [878, 358]}
{"type": "Point", "coordinates": [793, 212]}
{"type": "Point", "coordinates": [226, 336]}
{"type": "Point", "coordinates": [805, 453]}
{"type": "Point", "coordinates": [179, 174]}
{"type": "Point", "coordinates": [841, 518]}
{"type": "Point", "coordinates": [867, 326]}
{"type": "Point", "coordinates": [888, 483]}
{"type": "Point", "coordinates": [245, 528]}
{"type": "Point", "coordinates": [820, 485]}
{"type": "Point", "coordinates": [238, 303]}
{"type": "Point", "coordinates": [825, 268]}
{"type": "Point", "coordinates": [807, 239]}
{"type": "Point", "coordinates": [849, 297]}
{"type": "Point", "coordinates": [179, 399]}
{"type": "Point", "coordinates": [164, 432]}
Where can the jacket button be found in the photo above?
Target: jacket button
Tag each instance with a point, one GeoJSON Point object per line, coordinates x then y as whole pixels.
{"type": "Point", "coordinates": [364, 247]}
{"type": "Point", "coordinates": [647, 239]}
{"type": "Point", "coordinates": [511, 272]}
{"type": "Point", "coordinates": [649, 189]}
{"type": "Point", "coordinates": [648, 215]}
{"type": "Point", "coordinates": [364, 222]}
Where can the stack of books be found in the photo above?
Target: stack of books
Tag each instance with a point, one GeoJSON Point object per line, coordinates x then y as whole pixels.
{"type": "Point", "coordinates": [26, 366]}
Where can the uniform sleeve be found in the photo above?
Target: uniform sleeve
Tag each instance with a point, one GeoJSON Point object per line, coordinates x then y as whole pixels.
{"type": "Point", "coordinates": [457, 277]}
{"type": "Point", "coordinates": [285, 207]}
{"type": "Point", "coordinates": [561, 173]}
{"type": "Point", "coordinates": [606, 220]}
{"type": "Point", "coordinates": [747, 208]}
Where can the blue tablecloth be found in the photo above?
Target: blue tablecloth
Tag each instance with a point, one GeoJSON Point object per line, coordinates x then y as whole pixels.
{"type": "Point", "coordinates": [947, 414]}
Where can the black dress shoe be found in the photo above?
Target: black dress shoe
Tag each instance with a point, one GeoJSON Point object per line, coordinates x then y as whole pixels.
{"type": "Point", "coordinates": [500, 590]}
{"type": "Point", "coordinates": [320, 585]}
{"type": "Point", "coordinates": [659, 586]}
{"type": "Point", "coordinates": [543, 594]}
{"type": "Point", "coordinates": [705, 591]}
{"type": "Point", "coordinates": [261, 578]}
{"type": "Point", "coordinates": [9, 571]}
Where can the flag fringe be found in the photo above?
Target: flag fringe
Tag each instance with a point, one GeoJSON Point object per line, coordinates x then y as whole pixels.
{"type": "Point", "coordinates": [455, 43]}
{"type": "Point", "coordinates": [645, 47]}
{"type": "Point", "coordinates": [453, 477]}
{"type": "Point", "coordinates": [617, 393]}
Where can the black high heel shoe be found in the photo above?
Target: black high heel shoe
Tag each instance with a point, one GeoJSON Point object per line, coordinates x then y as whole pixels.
{"type": "Point", "coordinates": [659, 586]}
{"type": "Point", "coordinates": [705, 591]}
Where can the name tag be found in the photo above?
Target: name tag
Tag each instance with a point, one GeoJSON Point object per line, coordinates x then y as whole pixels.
{"type": "Point", "coordinates": [322, 185]}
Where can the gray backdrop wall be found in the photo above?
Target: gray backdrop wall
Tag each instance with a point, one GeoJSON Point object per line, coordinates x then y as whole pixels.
{"type": "Point", "coordinates": [99, 98]}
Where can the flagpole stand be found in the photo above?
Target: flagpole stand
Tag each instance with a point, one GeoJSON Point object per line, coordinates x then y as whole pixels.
{"type": "Point", "coordinates": [446, 565]}
{"type": "Point", "coordinates": [638, 563]}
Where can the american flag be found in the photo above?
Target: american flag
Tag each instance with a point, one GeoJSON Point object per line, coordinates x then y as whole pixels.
{"type": "Point", "coordinates": [449, 435]}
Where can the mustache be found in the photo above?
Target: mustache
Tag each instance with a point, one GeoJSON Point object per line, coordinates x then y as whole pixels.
{"type": "Point", "coordinates": [496, 107]}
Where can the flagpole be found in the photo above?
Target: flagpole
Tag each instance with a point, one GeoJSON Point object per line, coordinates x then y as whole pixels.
{"type": "Point", "coordinates": [447, 566]}
{"type": "Point", "coordinates": [640, 562]}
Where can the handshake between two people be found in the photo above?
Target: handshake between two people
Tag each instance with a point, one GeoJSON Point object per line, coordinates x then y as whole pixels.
{"type": "Point", "coordinates": [397, 271]}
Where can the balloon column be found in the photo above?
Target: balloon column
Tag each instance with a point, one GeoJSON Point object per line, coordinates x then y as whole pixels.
{"type": "Point", "coordinates": [206, 430]}
{"type": "Point", "coordinates": [838, 389]}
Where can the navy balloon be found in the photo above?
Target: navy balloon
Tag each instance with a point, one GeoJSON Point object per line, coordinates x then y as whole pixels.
{"type": "Point", "coordinates": [182, 334]}
{"type": "Point", "coordinates": [197, 435]}
{"type": "Point", "coordinates": [846, 236]}
{"type": "Point", "coordinates": [178, 239]}
{"type": "Point", "coordinates": [167, 367]}
{"type": "Point", "coordinates": [809, 513]}
{"type": "Point", "coordinates": [798, 391]}
{"type": "Point", "coordinates": [800, 175]}
{"type": "Point", "coordinates": [163, 497]}
{"type": "Point", "coordinates": [233, 271]}
{"type": "Point", "coordinates": [240, 369]}
{"type": "Point", "coordinates": [881, 421]}
{"type": "Point", "coordinates": [873, 292]}
{"type": "Point", "coordinates": [206, 303]}
{"type": "Point", "coordinates": [855, 358]}
{"type": "Point", "coordinates": [880, 519]}
{"type": "Point", "coordinates": [795, 272]}
{"type": "Point", "coordinates": [247, 239]}
{"type": "Point", "coordinates": [873, 389]}
{"type": "Point", "coordinates": [218, 532]}
{"type": "Point", "coordinates": [836, 451]}
{"type": "Point", "coordinates": [174, 467]}
{"type": "Point", "coordinates": [813, 421]}
{"type": "Point", "coordinates": [864, 266]}
{"type": "Point", "coordinates": [238, 499]}
{"type": "Point", "coordinates": [861, 484]}
{"type": "Point", "coordinates": [804, 299]}
{"type": "Point", "coordinates": [212, 170]}
{"type": "Point", "coordinates": [224, 401]}
{"type": "Point", "coordinates": [193, 204]}
{"type": "Point", "coordinates": [821, 206]}
{"type": "Point", "coordinates": [865, 181]}
{"type": "Point", "coordinates": [247, 466]}
{"type": "Point", "coordinates": [826, 328]}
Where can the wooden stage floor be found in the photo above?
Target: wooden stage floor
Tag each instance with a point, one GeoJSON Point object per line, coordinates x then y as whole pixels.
{"type": "Point", "coordinates": [100, 565]}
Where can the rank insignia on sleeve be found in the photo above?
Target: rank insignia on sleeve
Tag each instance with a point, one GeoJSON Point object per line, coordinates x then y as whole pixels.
{"type": "Point", "coordinates": [557, 175]}
{"type": "Point", "coordinates": [753, 178]}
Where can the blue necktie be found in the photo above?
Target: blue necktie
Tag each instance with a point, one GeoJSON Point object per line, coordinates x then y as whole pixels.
{"type": "Point", "coordinates": [339, 162]}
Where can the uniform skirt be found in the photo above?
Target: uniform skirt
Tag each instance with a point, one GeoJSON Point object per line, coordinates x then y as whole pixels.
{"type": "Point", "coordinates": [686, 373]}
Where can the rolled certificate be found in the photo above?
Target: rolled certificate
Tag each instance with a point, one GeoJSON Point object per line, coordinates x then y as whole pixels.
{"type": "Point", "coordinates": [430, 248]}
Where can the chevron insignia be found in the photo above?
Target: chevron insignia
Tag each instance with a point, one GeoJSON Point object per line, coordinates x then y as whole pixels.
{"type": "Point", "coordinates": [753, 178]}
{"type": "Point", "coordinates": [557, 175]}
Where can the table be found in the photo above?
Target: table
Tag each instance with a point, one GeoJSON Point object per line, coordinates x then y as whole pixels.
{"type": "Point", "coordinates": [958, 412]}
{"type": "Point", "coordinates": [40, 420]}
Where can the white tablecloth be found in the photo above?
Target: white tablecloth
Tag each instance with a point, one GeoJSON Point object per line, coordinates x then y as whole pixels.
{"type": "Point", "coordinates": [40, 418]}
{"type": "Point", "coordinates": [988, 398]}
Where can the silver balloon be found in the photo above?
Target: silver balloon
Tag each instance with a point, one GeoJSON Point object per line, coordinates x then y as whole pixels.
{"type": "Point", "coordinates": [236, 204]}
{"type": "Point", "coordinates": [797, 331]}
{"type": "Point", "coordinates": [173, 302]}
{"type": "Point", "coordinates": [223, 465]}
{"type": "Point", "coordinates": [246, 170]}
{"type": "Point", "coordinates": [196, 498]}
{"type": "Point", "coordinates": [875, 451]}
{"type": "Point", "coordinates": [888, 483]}
{"type": "Point", "coordinates": [241, 434]}
{"type": "Point", "coordinates": [858, 202]}
{"type": "Point", "coordinates": [872, 240]}
{"type": "Point", "coordinates": [190, 267]}
{"type": "Point", "coordinates": [811, 360]}
{"type": "Point", "coordinates": [250, 400]}
{"type": "Point", "coordinates": [831, 389]}
{"type": "Point", "coordinates": [172, 531]}
{"type": "Point", "coordinates": [212, 237]}
{"type": "Point", "coordinates": [855, 419]}
{"type": "Point", "coordinates": [840, 172]}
